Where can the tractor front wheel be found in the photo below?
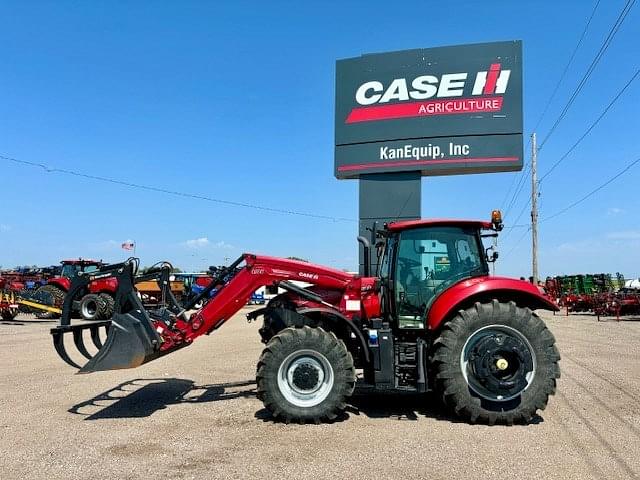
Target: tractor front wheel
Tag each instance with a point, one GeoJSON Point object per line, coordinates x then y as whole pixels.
{"type": "Point", "coordinates": [91, 307]}
{"type": "Point", "coordinates": [305, 375]}
{"type": "Point", "coordinates": [495, 363]}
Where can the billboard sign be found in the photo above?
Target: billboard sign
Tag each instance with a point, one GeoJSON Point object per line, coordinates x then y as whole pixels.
{"type": "Point", "coordinates": [441, 111]}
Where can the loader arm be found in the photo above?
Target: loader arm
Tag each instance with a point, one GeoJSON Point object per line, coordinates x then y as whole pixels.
{"type": "Point", "coordinates": [136, 336]}
{"type": "Point", "coordinates": [258, 271]}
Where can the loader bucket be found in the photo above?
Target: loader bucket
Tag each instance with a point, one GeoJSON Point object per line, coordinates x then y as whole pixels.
{"type": "Point", "coordinates": [131, 341]}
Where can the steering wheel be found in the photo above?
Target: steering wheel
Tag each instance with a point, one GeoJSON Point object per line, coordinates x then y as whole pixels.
{"type": "Point", "coordinates": [450, 281]}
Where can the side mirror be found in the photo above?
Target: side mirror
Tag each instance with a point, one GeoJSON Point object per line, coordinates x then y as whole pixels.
{"type": "Point", "coordinates": [491, 257]}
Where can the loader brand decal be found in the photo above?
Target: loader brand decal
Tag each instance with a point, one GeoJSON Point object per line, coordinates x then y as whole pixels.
{"type": "Point", "coordinates": [493, 82]}
{"type": "Point", "coordinates": [309, 276]}
{"type": "Point", "coordinates": [441, 111]}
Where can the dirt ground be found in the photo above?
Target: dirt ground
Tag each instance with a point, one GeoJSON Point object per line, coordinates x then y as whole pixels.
{"type": "Point", "coordinates": [193, 414]}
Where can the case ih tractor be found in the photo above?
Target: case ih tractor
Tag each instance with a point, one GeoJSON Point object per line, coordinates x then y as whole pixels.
{"type": "Point", "coordinates": [432, 318]}
{"type": "Point", "coordinates": [95, 301]}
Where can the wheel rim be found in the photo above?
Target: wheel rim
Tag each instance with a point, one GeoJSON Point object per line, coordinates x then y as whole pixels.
{"type": "Point", "coordinates": [89, 309]}
{"type": "Point", "coordinates": [498, 363]}
{"type": "Point", "coordinates": [305, 378]}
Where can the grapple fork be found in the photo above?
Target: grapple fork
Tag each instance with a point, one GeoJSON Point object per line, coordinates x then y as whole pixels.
{"type": "Point", "coordinates": [131, 338]}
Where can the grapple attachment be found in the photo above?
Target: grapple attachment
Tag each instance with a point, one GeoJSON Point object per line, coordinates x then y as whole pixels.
{"type": "Point", "coordinates": [131, 338]}
{"type": "Point", "coordinates": [128, 344]}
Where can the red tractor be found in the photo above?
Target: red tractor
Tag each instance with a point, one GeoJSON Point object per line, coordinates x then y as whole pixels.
{"type": "Point", "coordinates": [94, 302]}
{"type": "Point", "coordinates": [431, 318]}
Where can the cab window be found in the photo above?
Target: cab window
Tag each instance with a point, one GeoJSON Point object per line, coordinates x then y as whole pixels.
{"type": "Point", "coordinates": [429, 260]}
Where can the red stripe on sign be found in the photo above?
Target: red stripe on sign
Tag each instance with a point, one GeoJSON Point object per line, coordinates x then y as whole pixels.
{"type": "Point", "coordinates": [411, 163]}
{"type": "Point", "coordinates": [425, 109]}
{"type": "Point", "coordinates": [492, 78]}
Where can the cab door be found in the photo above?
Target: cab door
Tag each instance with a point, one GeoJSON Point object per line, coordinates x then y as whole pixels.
{"type": "Point", "coordinates": [428, 261]}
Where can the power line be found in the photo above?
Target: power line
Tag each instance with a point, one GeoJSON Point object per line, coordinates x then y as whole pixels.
{"type": "Point", "coordinates": [566, 68]}
{"type": "Point", "coordinates": [546, 108]}
{"type": "Point", "coordinates": [513, 181]}
{"type": "Point", "coordinates": [591, 127]}
{"type": "Point", "coordinates": [506, 195]}
{"type": "Point", "coordinates": [515, 222]}
{"type": "Point", "coordinates": [603, 48]}
{"type": "Point", "coordinates": [518, 190]}
{"type": "Point", "coordinates": [151, 188]}
{"type": "Point", "coordinates": [592, 192]}
{"type": "Point", "coordinates": [517, 242]}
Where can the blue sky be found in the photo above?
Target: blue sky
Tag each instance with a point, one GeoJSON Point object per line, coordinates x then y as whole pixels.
{"type": "Point", "coordinates": [235, 101]}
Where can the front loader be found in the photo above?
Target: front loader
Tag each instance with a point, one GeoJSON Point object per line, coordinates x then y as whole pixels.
{"type": "Point", "coordinates": [432, 318]}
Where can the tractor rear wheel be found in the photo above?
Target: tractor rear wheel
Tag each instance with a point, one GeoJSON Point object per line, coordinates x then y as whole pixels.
{"type": "Point", "coordinates": [496, 363]}
{"type": "Point", "coordinates": [305, 375]}
{"type": "Point", "coordinates": [108, 306]}
{"type": "Point", "coordinates": [91, 307]}
{"type": "Point", "coordinates": [57, 296]}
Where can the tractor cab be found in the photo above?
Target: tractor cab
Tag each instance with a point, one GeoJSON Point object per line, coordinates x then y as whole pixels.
{"type": "Point", "coordinates": [70, 268]}
{"type": "Point", "coordinates": [423, 258]}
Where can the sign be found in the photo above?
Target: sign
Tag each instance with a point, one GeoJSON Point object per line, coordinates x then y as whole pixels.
{"type": "Point", "coordinates": [440, 111]}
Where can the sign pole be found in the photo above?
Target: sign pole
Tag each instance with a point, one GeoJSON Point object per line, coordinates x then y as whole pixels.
{"type": "Point", "coordinates": [534, 209]}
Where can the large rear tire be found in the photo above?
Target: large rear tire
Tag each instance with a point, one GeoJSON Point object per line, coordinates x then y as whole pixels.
{"type": "Point", "coordinates": [57, 295]}
{"type": "Point", "coordinates": [108, 306]}
{"type": "Point", "coordinates": [305, 375]}
{"type": "Point", "coordinates": [496, 363]}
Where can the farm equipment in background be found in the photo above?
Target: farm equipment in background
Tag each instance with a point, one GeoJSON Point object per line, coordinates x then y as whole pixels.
{"type": "Point", "coordinates": [256, 299]}
{"type": "Point", "coordinates": [95, 302]}
{"type": "Point", "coordinates": [153, 295]}
{"type": "Point", "coordinates": [9, 308]}
{"type": "Point", "coordinates": [601, 294]}
{"type": "Point", "coordinates": [12, 302]}
{"type": "Point", "coordinates": [471, 337]}
{"type": "Point", "coordinates": [193, 284]}
{"type": "Point", "coordinates": [26, 278]}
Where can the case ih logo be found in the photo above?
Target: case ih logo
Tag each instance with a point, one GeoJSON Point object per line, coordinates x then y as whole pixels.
{"type": "Point", "coordinates": [488, 87]}
{"type": "Point", "coordinates": [309, 276]}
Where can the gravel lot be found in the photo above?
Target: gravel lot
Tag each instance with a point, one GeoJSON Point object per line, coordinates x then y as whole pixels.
{"type": "Point", "coordinates": [193, 414]}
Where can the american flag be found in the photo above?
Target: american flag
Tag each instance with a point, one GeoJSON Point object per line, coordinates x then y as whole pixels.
{"type": "Point", "coordinates": [128, 245]}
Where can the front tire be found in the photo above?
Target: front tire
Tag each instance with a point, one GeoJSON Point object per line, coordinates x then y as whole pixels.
{"type": "Point", "coordinates": [496, 363]}
{"type": "Point", "coordinates": [305, 375]}
{"type": "Point", "coordinates": [91, 307]}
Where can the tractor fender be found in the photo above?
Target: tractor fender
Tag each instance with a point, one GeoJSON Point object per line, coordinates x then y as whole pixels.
{"type": "Point", "coordinates": [60, 282]}
{"type": "Point", "coordinates": [301, 317]}
{"type": "Point", "coordinates": [327, 312]}
{"type": "Point", "coordinates": [465, 293]}
{"type": "Point", "coordinates": [104, 285]}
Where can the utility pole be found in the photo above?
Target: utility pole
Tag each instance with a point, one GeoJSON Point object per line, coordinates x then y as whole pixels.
{"type": "Point", "coordinates": [534, 209]}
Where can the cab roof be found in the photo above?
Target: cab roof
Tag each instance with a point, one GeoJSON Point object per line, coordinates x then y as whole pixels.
{"type": "Point", "coordinates": [82, 261]}
{"type": "Point", "coordinates": [435, 222]}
